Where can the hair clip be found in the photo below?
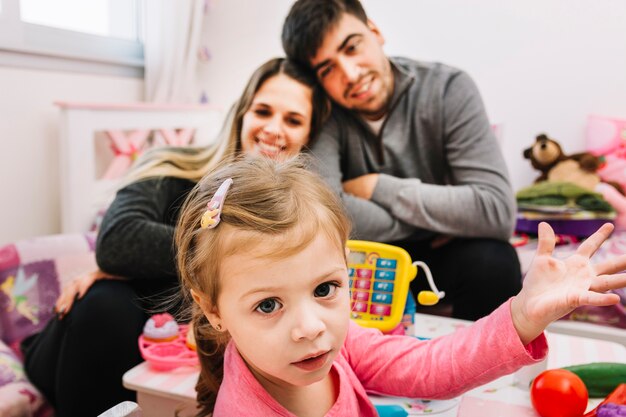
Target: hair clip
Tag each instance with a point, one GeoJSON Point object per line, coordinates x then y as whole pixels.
{"type": "Point", "coordinates": [217, 202]}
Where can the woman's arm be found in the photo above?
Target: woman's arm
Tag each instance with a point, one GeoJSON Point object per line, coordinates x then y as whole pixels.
{"type": "Point", "coordinates": [137, 233]}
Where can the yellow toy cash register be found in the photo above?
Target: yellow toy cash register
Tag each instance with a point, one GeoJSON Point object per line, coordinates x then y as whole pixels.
{"type": "Point", "coordinates": [380, 275]}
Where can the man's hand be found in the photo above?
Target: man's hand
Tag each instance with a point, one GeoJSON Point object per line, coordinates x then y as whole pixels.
{"type": "Point", "coordinates": [362, 187]}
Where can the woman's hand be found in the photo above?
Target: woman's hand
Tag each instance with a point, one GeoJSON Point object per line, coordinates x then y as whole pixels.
{"type": "Point", "coordinates": [554, 287]}
{"type": "Point", "coordinates": [362, 187]}
{"type": "Point", "coordinates": [76, 289]}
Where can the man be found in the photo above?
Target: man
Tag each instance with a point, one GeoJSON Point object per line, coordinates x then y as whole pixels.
{"type": "Point", "coordinates": [410, 150]}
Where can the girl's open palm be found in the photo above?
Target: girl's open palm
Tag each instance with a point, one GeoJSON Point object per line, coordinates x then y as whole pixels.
{"type": "Point", "coordinates": [554, 287]}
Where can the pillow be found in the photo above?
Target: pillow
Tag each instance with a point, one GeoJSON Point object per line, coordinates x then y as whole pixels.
{"type": "Point", "coordinates": [32, 272]}
{"type": "Point", "coordinates": [606, 137]}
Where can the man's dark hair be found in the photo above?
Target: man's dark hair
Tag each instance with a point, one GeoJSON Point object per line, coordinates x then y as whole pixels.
{"type": "Point", "coordinates": [309, 21]}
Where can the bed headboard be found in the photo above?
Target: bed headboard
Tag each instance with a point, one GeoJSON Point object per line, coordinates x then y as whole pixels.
{"type": "Point", "coordinates": [99, 142]}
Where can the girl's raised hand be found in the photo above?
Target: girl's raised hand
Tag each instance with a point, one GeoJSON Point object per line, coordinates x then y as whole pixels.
{"type": "Point", "coordinates": [554, 287]}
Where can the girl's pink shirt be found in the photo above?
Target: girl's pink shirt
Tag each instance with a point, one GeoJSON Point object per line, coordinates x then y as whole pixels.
{"type": "Point", "coordinates": [395, 365]}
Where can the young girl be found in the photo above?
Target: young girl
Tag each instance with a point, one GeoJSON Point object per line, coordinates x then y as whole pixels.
{"type": "Point", "coordinates": [261, 250]}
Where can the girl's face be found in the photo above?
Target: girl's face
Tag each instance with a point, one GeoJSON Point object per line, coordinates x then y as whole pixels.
{"type": "Point", "coordinates": [278, 122]}
{"type": "Point", "coordinates": [288, 317]}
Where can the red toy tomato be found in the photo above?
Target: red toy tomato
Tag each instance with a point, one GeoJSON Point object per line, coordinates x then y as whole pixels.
{"type": "Point", "coordinates": [559, 393]}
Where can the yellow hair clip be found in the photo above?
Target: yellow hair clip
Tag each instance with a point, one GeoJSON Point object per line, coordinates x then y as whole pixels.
{"type": "Point", "coordinates": [211, 217]}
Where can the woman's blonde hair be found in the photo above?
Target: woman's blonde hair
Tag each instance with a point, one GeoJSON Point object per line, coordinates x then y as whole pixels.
{"type": "Point", "coordinates": [278, 206]}
{"type": "Point", "coordinates": [193, 163]}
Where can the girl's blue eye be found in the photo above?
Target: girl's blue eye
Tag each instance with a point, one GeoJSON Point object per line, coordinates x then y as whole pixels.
{"type": "Point", "coordinates": [326, 289]}
{"type": "Point", "coordinates": [268, 306]}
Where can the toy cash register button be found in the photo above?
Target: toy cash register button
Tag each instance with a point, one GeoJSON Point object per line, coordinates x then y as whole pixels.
{"type": "Point", "coordinates": [386, 263]}
{"type": "Point", "coordinates": [380, 310]}
{"type": "Point", "coordinates": [360, 296]}
{"type": "Point", "coordinates": [388, 275]}
{"type": "Point", "coordinates": [381, 298]}
{"type": "Point", "coordinates": [359, 307]}
{"type": "Point", "coordinates": [364, 273]}
{"type": "Point", "coordinates": [350, 272]}
{"type": "Point", "coordinates": [383, 286]}
{"type": "Point", "coordinates": [362, 284]}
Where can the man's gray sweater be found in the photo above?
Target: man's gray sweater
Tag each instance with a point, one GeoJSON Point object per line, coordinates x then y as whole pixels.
{"type": "Point", "coordinates": [441, 169]}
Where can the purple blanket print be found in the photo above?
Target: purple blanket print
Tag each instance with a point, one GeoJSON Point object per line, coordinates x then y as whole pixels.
{"type": "Point", "coordinates": [32, 273]}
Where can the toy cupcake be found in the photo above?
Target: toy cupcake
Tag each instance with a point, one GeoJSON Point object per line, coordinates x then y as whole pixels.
{"type": "Point", "coordinates": [160, 328]}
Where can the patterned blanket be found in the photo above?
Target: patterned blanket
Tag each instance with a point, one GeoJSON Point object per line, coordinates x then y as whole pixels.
{"type": "Point", "coordinates": [32, 273]}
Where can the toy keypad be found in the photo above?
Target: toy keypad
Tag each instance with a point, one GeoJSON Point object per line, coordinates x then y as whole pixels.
{"type": "Point", "coordinates": [379, 283]}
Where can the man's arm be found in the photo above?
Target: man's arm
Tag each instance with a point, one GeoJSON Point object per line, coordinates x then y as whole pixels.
{"type": "Point", "coordinates": [479, 202]}
{"type": "Point", "coordinates": [369, 220]}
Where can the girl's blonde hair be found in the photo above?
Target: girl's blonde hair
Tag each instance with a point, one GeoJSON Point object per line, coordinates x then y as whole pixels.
{"type": "Point", "coordinates": [278, 206]}
{"type": "Point", "coordinates": [193, 163]}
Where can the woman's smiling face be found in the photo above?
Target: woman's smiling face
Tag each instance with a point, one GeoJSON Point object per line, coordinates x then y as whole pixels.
{"type": "Point", "coordinates": [278, 123]}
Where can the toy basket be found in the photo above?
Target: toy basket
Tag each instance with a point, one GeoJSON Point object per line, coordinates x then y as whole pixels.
{"type": "Point", "coordinates": [165, 356]}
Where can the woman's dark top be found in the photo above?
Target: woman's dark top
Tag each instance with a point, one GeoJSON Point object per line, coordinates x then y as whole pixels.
{"type": "Point", "coordinates": [136, 239]}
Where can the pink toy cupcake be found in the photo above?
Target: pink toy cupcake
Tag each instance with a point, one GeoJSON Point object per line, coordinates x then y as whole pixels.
{"type": "Point", "coordinates": [160, 328]}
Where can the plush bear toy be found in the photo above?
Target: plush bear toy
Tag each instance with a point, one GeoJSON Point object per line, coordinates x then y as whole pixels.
{"type": "Point", "coordinates": [547, 156]}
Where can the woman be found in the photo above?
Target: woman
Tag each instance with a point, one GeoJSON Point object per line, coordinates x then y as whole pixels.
{"type": "Point", "coordinates": [80, 357]}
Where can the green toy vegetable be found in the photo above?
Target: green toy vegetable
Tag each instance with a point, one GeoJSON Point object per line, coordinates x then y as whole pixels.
{"type": "Point", "coordinates": [601, 378]}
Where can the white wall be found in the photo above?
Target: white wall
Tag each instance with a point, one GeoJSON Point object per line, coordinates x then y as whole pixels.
{"type": "Point", "coordinates": [541, 65]}
{"type": "Point", "coordinates": [29, 167]}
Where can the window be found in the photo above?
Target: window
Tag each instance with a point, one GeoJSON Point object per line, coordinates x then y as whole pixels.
{"type": "Point", "coordinates": [102, 36]}
{"type": "Point", "coordinates": [110, 18]}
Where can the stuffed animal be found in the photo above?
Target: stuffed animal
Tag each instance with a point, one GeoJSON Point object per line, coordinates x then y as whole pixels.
{"type": "Point", "coordinates": [547, 156]}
